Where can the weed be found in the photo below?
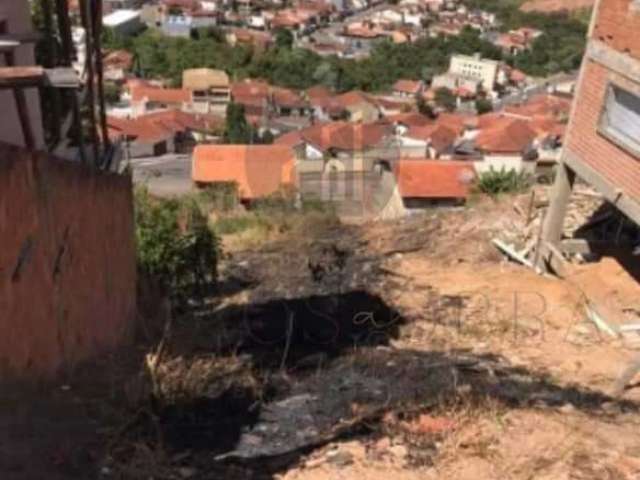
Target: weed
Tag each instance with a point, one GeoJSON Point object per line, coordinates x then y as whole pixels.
{"type": "Point", "coordinates": [175, 244]}
{"type": "Point", "coordinates": [495, 182]}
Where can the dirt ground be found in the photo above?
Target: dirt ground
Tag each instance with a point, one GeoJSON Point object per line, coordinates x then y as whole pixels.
{"type": "Point", "coordinates": [405, 349]}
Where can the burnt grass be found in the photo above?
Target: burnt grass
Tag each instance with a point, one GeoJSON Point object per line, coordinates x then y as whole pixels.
{"type": "Point", "coordinates": [247, 390]}
{"type": "Point", "coordinates": [323, 369]}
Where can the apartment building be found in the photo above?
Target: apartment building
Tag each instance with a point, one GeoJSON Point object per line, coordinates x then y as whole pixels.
{"type": "Point", "coordinates": [483, 70]}
{"type": "Point", "coordinates": [211, 89]}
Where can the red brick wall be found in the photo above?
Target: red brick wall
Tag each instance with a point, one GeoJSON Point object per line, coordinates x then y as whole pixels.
{"type": "Point", "coordinates": [618, 25]}
{"type": "Point", "coordinates": [615, 164]}
{"type": "Point", "coordinates": [67, 263]}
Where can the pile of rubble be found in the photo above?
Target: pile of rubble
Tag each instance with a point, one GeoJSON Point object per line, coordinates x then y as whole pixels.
{"type": "Point", "coordinates": [589, 216]}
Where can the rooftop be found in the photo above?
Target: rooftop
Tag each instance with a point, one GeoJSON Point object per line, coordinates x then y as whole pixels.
{"type": "Point", "coordinates": [421, 178]}
{"type": "Point", "coordinates": [257, 170]}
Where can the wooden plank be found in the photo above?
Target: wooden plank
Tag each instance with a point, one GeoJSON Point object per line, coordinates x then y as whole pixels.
{"type": "Point", "coordinates": [511, 253]}
{"type": "Point", "coordinates": [21, 77]}
{"type": "Point", "coordinates": [602, 325]}
{"type": "Point", "coordinates": [34, 76]}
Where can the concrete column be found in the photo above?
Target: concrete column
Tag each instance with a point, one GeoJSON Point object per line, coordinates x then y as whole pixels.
{"type": "Point", "coordinates": [554, 220]}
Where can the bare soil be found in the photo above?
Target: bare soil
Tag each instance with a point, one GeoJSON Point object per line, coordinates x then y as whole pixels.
{"type": "Point", "coordinates": [405, 349]}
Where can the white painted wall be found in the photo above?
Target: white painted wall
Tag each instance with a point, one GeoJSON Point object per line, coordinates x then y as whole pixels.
{"type": "Point", "coordinates": [508, 162]}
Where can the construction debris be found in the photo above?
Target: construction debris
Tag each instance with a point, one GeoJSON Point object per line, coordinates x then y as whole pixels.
{"type": "Point", "coordinates": [590, 220]}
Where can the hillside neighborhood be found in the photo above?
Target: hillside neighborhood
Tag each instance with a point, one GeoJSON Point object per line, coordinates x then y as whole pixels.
{"type": "Point", "coordinates": [319, 239]}
{"type": "Point", "coordinates": [481, 111]}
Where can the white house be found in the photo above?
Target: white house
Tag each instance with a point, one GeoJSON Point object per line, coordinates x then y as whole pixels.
{"type": "Point", "coordinates": [124, 22]}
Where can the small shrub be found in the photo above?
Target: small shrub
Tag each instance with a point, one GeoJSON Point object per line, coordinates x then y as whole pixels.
{"type": "Point", "coordinates": [219, 197]}
{"type": "Point", "coordinates": [495, 182]}
{"type": "Point", "coordinates": [175, 245]}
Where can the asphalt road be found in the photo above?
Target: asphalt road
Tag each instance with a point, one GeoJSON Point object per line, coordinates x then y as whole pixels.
{"type": "Point", "coordinates": [167, 175]}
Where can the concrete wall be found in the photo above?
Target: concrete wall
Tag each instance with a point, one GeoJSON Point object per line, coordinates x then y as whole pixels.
{"type": "Point", "coordinates": [67, 264]}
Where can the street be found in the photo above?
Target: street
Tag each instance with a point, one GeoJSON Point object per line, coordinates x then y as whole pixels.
{"type": "Point", "coordinates": [167, 175]}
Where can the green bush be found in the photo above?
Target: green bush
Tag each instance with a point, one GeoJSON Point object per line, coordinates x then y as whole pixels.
{"type": "Point", "coordinates": [495, 182]}
{"type": "Point", "coordinates": [219, 197]}
{"type": "Point", "coordinates": [175, 245]}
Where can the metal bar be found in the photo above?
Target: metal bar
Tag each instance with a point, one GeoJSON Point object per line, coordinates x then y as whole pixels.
{"type": "Point", "coordinates": [21, 105]}
{"type": "Point", "coordinates": [66, 53]}
{"type": "Point", "coordinates": [85, 11]}
{"type": "Point", "coordinates": [97, 22]}
{"type": "Point", "coordinates": [50, 61]}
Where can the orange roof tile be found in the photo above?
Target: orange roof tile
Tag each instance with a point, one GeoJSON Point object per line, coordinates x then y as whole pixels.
{"type": "Point", "coordinates": [289, 139]}
{"type": "Point", "coordinates": [345, 135]}
{"type": "Point", "coordinates": [118, 59]}
{"type": "Point", "coordinates": [410, 119]}
{"type": "Point", "coordinates": [354, 97]}
{"type": "Point", "coordinates": [158, 126]}
{"type": "Point", "coordinates": [258, 170]}
{"type": "Point", "coordinates": [506, 136]}
{"type": "Point", "coordinates": [440, 137]}
{"type": "Point", "coordinates": [421, 178]}
{"type": "Point", "coordinates": [411, 87]}
{"type": "Point", "coordinates": [160, 95]}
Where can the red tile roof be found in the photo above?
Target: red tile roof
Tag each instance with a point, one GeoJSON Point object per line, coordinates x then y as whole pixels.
{"type": "Point", "coordinates": [419, 178]}
{"type": "Point", "coordinates": [258, 170]}
{"type": "Point", "coordinates": [158, 126]}
{"type": "Point", "coordinates": [411, 87]}
{"type": "Point", "coordinates": [318, 92]}
{"type": "Point", "coordinates": [285, 97]}
{"type": "Point", "coordinates": [250, 88]}
{"type": "Point", "coordinates": [410, 119]}
{"type": "Point", "coordinates": [354, 97]}
{"type": "Point", "coordinates": [440, 137]}
{"type": "Point", "coordinates": [507, 135]}
{"type": "Point", "coordinates": [346, 136]}
{"type": "Point", "coordinates": [118, 59]}
{"type": "Point", "coordinates": [160, 95]}
{"type": "Point", "coordinates": [290, 139]}
{"type": "Point", "coordinates": [456, 121]}
{"type": "Point", "coordinates": [542, 104]}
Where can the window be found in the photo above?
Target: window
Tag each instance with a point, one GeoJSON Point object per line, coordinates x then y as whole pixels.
{"type": "Point", "coordinates": [620, 121]}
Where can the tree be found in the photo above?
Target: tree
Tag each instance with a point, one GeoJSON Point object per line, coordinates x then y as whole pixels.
{"type": "Point", "coordinates": [446, 99]}
{"type": "Point", "coordinates": [267, 137]}
{"type": "Point", "coordinates": [424, 108]}
{"type": "Point", "coordinates": [284, 38]}
{"type": "Point", "coordinates": [111, 93]}
{"type": "Point", "coordinates": [483, 106]}
{"type": "Point", "coordinates": [237, 130]}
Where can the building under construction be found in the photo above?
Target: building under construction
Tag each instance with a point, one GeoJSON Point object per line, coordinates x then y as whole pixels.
{"type": "Point", "coordinates": [602, 146]}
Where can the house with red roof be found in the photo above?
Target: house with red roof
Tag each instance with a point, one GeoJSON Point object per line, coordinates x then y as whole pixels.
{"type": "Point", "coordinates": [116, 64]}
{"type": "Point", "coordinates": [324, 105]}
{"type": "Point", "coordinates": [407, 88]}
{"type": "Point", "coordinates": [287, 102]}
{"type": "Point", "coordinates": [163, 132]}
{"type": "Point", "coordinates": [341, 146]}
{"type": "Point", "coordinates": [422, 182]}
{"type": "Point", "coordinates": [433, 141]}
{"type": "Point", "coordinates": [146, 98]}
{"type": "Point", "coordinates": [257, 171]}
{"type": "Point", "coordinates": [501, 143]}
{"type": "Point", "coordinates": [359, 106]}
